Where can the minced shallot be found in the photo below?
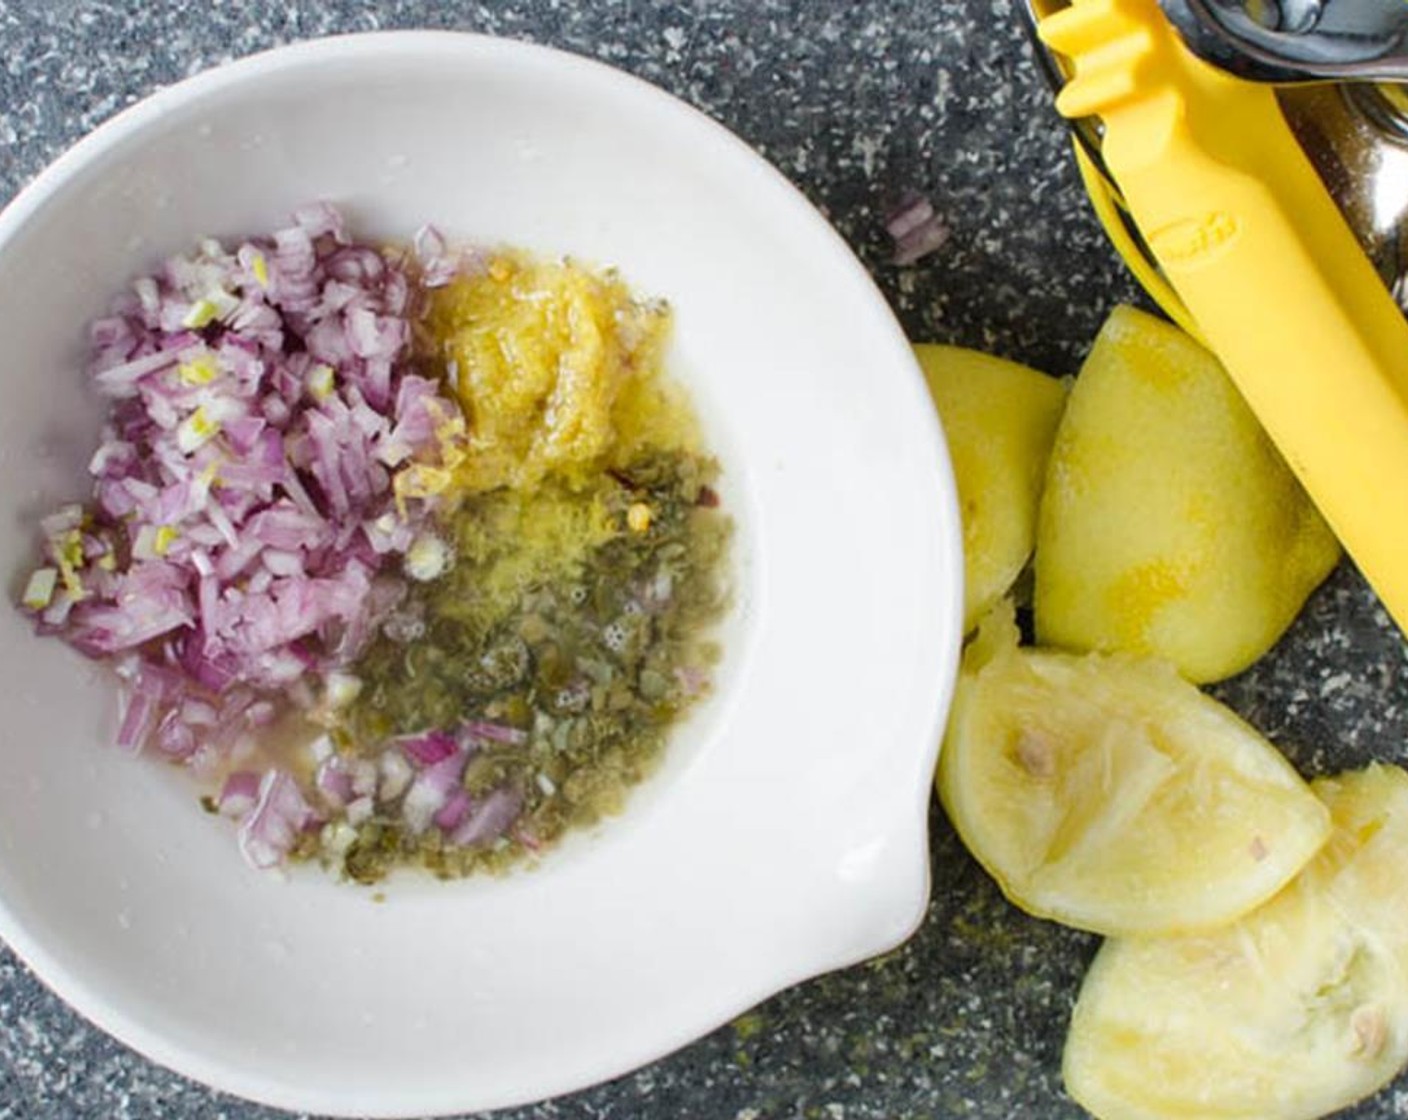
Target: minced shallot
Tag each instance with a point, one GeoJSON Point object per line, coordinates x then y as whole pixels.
{"type": "Point", "coordinates": [268, 459]}
{"type": "Point", "coordinates": [281, 555]}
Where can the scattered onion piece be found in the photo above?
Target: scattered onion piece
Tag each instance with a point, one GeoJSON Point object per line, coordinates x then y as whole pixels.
{"type": "Point", "coordinates": [915, 228]}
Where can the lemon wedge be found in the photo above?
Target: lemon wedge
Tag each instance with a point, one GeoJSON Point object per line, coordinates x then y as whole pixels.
{"type": "Point", "coordinates": [1169, 524]}
{"type": "Point", "coordinates": [1297, 1010]}
{"type": "Point", "coordinates": [999, 419]}
{"type": "Point", "coordinates": [1109, 794]}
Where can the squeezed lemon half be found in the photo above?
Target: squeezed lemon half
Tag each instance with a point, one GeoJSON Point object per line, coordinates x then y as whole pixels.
{"type": "Point", "coordinates": [1169, 524]}
{"type": "Point", "coordinates": [999, 419]}
{"type": "Point", "coordinates": [1297, 1010]}
{"type": "Point", "coordinates": [1109, 794]}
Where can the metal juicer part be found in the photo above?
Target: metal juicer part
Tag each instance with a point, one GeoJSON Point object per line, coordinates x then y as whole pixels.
{"type": "Point", "coordinates": [1356, 135]}
{"type": "Point", "coordinates": [1286, 41]}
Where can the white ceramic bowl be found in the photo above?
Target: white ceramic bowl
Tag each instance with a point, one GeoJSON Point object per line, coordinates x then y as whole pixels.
{"type": "Point", "coordinates": [786, 834]}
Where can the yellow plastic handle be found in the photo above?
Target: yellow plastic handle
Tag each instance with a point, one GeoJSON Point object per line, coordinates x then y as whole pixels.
{"type": "Point", "coordinates": [1258, 252]}
{"type": "Point", "coordinates": [1110, 209]}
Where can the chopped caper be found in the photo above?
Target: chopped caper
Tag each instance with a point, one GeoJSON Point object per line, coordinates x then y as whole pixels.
{"type": "Point", "coordinates": [586, 656]}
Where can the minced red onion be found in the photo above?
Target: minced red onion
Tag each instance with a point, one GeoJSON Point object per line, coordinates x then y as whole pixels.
{"type": "Point", "coordinates": [248, 534]}
{"type": "Point", "coordinates": [428, 749]}
{"type": "Point", "coordinates": [915, 228]}
{"type": "Point", "coordinates": [489, 818]}
{"type": "Point", "coordinates": [453, 812]}
{"type": "Point", "coordinates": [483, 730]}
{"type": "Point", "coordinates": [270, 829]}
{"type": "Point", "coordinates": [253, 539]}
{"type": "Point", "coordinates": [239, 794]}
{"type": "Point", "coordinates": [333, 780]}
{"type": "Point", "coordinates": [246, 528]}
{"type": "Point", "coordinates": [430, 791]}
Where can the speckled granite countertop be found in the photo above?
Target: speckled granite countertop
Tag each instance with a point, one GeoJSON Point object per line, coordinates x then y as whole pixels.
{"type": "Point", "coordinates": [852, 101]}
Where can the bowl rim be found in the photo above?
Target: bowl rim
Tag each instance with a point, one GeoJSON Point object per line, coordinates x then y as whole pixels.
{"type": "Point", "coordinates": [192, 1062]}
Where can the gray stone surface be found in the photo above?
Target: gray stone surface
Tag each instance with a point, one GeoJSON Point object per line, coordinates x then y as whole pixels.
{"type": "Point", "coordinates": [853, 101]}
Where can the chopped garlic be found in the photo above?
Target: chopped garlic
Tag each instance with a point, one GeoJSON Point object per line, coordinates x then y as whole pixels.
{"type": "Point", "coordinates": [342, 689]}
{"type": "Point", "coordinates": [154, 541]}
{"type": "Point", "coordinates": [224, 303]}
{"type": "Point", "coordinates": [144, 545]}
{"type": "Point", "coordinates": [321, 380]}
{"type": "Point", "coordinates": [39, 591]}
{"type": "Point", "coordinates": [360, 811]}
{"type": "Point", "coordinates": [338, 838]}
{"type": "Point", "coordinates": [201, 314]}
{"type": "Point", "coordinates": [68, 553]}
{"type": "Point", "coordinates": [419, 481]}
{"type": "Point", "coordinates": [396, 775]}
{"type": "Point", "coordinates": [196, 430]}
{"type": "Point", "coordinates": [321, 748]}
{"type": "Point", "coordinates": [200, 370]}
{"type": "Point", "coordinates": [147, 293]}
{"type": "Point", "coordinates": [165, 537]}
{"type": "Point", "coordinates": [418, 808]}
{"type": "Point", "coordinates": [638, 517]}
{"type": "Point", "coordinates": [427, 558]}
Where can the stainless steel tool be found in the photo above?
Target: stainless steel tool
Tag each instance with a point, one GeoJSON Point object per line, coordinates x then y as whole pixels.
{"type": "Point", "coordinates": [1292, 41]}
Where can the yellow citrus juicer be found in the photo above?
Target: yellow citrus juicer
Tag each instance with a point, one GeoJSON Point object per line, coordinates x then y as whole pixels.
{"type": "Point", "coordinates": [1201, 182]}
